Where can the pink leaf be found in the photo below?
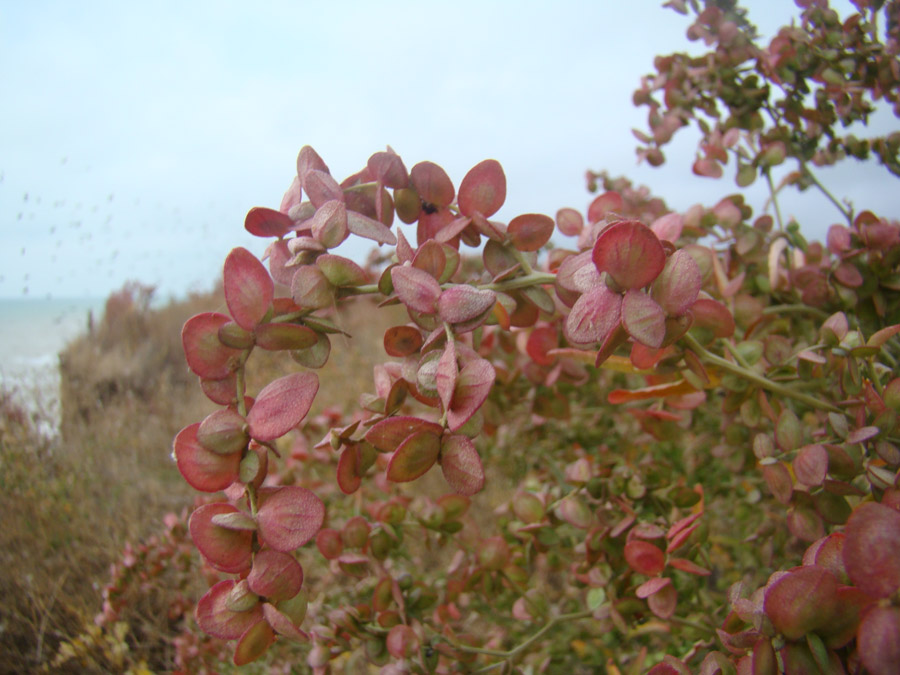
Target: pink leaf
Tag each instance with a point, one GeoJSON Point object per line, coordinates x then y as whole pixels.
{"type": "Point", "coordinates": [644, 558]}
{"type": "Point", "coordinates": [461, 465]}
{"type": "Point", "coordinates": [341, 271]}
{"type": "Point", "coordinates": [447, 372]}
{"type": "Point", "coordinates": [275, 575]}
{"type": "Point", "coordinates": [417, 290]}
{"type": "Point", "coordinates": [689, 566]}
{"type": "Point", "coordinates": [289, 517]}
{"type": "Point", "coordinates": [206, 355]}
{"type": "Point", "coordinates": [678, 285]}
{"type": "Point", "coordinates": [282, 624]}
{"type": "Point", "coordinates": [651, 586]}
{"type": "Point", "coordinates": [644, 320]}
{"type": "Point", "coordinates": [226, 550]}
{"type": "Point", "coordinates": [630, 253]}
{"type": "Point", "coordinates": [223, 432]}
{"type": "Point", "coordinates": [217, 620]}
{"type": "Point", "coordinates": [877, 641]}
{"type": "Point", "coordinates": [483, 190]}
{"type": "Point", "coordinates": [249, 289]}
{"type": "Point", "coordinates": [282, 405]}
{"type": "Point", "coordinates": [663, 602]}
{"type": "Point", "coordinates": [388, 168]}
{"type": "Point", "coordinates": [603, 204]}
{"type": "Point", "coordinates": [203, 469]}
{"type": "Point", "coordinates": [308, 160]}
{"type": "Point", "coordinates": [872, 549]}
{"type": "Point", "coordinates": [713, 315]}
{"type": "Point", "coordinates": [329, 225]}
{"type": "Point", "coordinates": [594, 316]}
{"type": "Point", "coordinates": [668, 227]}
{"type": "Point", "coordinates": [348, 469]}
{"type": "Point", "coordinates": [389, 433]}
{"type": "Point", "coordinates": [264, 222]}
{"type": "Point", "coordinates": [415, 456]}
{"type": "Point", "coordinates": [529, 232]}
{"type": "Point", "coordinates": [801, 601]}
{"type": "Point", "coordinates": [320, 187]}
{"type": "Point", "coordinates": [472, 388]}
{"type": "Point", "coordinates": [569, 222]}
{"type": "Point", "coordinates": [461, 303]}
{"type": "Point", "coordinates": [811, 465]}
{"type": "Point", "coordinates": [433, 184]}
{"type": "Point", "coordinates": [369, 228]}
{"type": "Point", "coordinates": [311, 289]}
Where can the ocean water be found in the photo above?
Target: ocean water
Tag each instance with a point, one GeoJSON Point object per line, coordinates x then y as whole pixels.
{"type": "Point", "coordinates": [32, 334]}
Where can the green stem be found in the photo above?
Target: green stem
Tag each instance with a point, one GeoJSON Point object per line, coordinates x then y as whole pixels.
{"type": "Point", "coordinates": [774, 194]}
{"type": "Point", "coordinates": [756, 378]}
{"type": "Point", "coordinates": [512, 653]}
{"type": "Point", "coordinates": [848, 215]}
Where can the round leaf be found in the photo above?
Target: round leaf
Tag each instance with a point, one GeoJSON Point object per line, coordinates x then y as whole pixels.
{"type": "Point", "coordinates": [275, 575]}
{"type": "Point", "coordinates": [203, 469]}
{"type": "Point", "coordinates": [206, 355]}
{"type": "Point", "coordinates": [644, 320]}
{"type": "Point", "coordinates": [530, 231]}
{"type": "Point", "coordinates": [217, 620]}
{"type": "Point", "coordinates": [483, 190]}
{"type": "Point", "coordinates": [264, 222]}
{"type": "Point", "coordinates": [282, 405]}
{"type": "Point", "coordinates": [226, 550]}
{"type": "Point", "coordinates": [461, 465]}
{"type": "Point", "coordinates": [249, 289]}
{"type": "Point", "coordinates": [289, 517]}
{"type": "Point", "coordinates": [630, 253]}
{"type": "Point", "coordinates": [644, 558]}
{"type": "Point", "coordinates": [594, 316]}
{"type": "Point", "coordinates": [872, 549]}
{"type": "Point", "coordinates": [801, 601]}
{"type": "Point", "coordinates": [414, 457]}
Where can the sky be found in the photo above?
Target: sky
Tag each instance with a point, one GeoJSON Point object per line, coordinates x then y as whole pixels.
{"type": "Point", "coordinates": [134, 136]}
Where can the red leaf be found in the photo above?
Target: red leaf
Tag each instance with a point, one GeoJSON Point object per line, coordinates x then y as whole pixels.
{"type": "Point", "coordinates": [461, 465]}
{"type": "Point", "coordinates": [402, 341]}
{"type": "Point", "coordinates": [801, 601]}
{"type": "Point", "coordinates": [417, 290]}
{"type": "Point", "coordinates": [677, 286]}
{"type": "Point", "coordinates": [217, 620]}
{"type": "Point", "coordinates": [414, 457]}
{"type": "Point", "coordinates": [569, 222]}
{"type": "Point", "coordinates": [530, 231]}
{"type": "Point", "coordinates": [644, 558]}
{"type": "Point", "coordinates": [264, 222]}
{"type": "Point", "coordinates": [308, 160]}
{"type": "Point", "coordinates": [630, 253]}
{"type": "Point", "coordinates": [668, 227]}
{"type": "Point", "coordinates": [540, 341]}
{"type": "Point", "coordinates": [644, 320]}
{"type": "Point", "coordinates": [206, 355]}
{"type": "Point", "coordinates": [289, 517]}
{"type": "Point", "coordinates": [446, 374]}
{"type": "Point", "coordinates": [388, 168]}
{"type": "Point", "coordinates": [226, 550]}
{"type": "Point", "coordinates": [689, 566]}
{"type": "Point", "coordinates": [311, 289]}
{"type": "Point", "coordinates": [603, 204]}
{"type": "Point", "coordinates": [223, 392]}
{"type": "Point", "coordinates": [223, 432]}
{"type": "Point", "coordinates": [594, 316]}
{"type": "Point", "coordinates": [663, 602]}
{"type": "Point", "coordinates": [389, 433]}
{"type": "Point", "coordinates": [275, 575]}
{"type": "Point", "coordinates": [877, 641]}
{"type": "Point", "coordinates": [472, 388]}
{"type": "Point", "coordinates": [348, 470]}
{"type": "Point", "coordinates": [282, 405]}
{"type": "Point", "coordinates": [320, 187]}
{"type": "Point", "coordinates": [711, 314]}
{"type": "Point", "coordinates": [402, 642]}
{"type": "Point", "coordinates": [282, 624]}
{"type": "Point", "coordinates": [872, 549]}
{"type": "Point", "coordinates": [483, 190]}
{"type": "Point", "coordinates": [811, 465]}
{"type": "Point", "coordinates": [461, 303]}
{"type": "Point", "coordinates": [249, 289]}
{"type": "Point", "coordinates": [651, 586]}
{"type": "Point", "coordinates": [203, 469]}
{"type": "Point", "coordinates": [329, 225]}
{"type": "Point", "coordinates": [433, 184]}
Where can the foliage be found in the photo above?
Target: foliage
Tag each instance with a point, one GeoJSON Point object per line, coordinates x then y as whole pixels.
{"type": "Point", "coordinates": [670, 445]}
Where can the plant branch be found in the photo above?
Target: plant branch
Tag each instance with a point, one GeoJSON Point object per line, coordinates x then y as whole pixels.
{"type": "Point", "coordinates": [756, 378]}
{"type": "Point", "coordinates": [848, 215]}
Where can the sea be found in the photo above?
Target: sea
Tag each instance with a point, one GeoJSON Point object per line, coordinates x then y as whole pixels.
{"type": "Point", "coordinates": [33, 332]}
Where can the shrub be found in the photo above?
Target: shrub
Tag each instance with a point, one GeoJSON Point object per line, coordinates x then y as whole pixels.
{"type": "Point", "coordinates": [666, 445]}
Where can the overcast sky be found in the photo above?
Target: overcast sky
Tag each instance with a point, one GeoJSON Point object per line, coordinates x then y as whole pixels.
{"type": "Point", "coordinates": [135, 136]}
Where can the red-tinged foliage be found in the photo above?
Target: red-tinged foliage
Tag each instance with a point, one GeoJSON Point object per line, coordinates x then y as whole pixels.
{"type": "Point", "coordinates": [630, 253]}
{"type": "Point", "coordinates": [203, 469]}
{"type": "Point", "coordinates": [413, 457]}
{"type": "Point", "coordinates": [872, 549]}
{"type": "Point", "coordinates": [218, 620]}
{"type": "Point", "coordinates": [225, 549]}
{"type": "Point", "coordinates": [282, 405]}
{"type": "Point", "coordinates": [249, 289]}
{"type": "Point", "coordinates": [587, 400]}
{"type": "Point", "coordinates": [264, 222]}
{"type": "Point", "coordinates": [483, 189]}
{"type": "Point", "coordinates": [275, 575]}
{"type": "Point", "coordinates": [206, 355]}
{"type": "Point", "coordinates": [289, 517]}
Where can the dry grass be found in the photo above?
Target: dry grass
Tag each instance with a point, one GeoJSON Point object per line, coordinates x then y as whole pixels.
{"type": "Point", "coordinates": [70, 504]}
